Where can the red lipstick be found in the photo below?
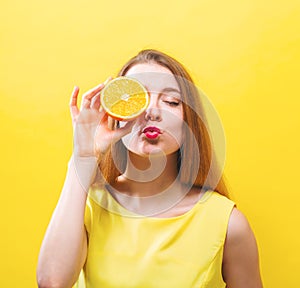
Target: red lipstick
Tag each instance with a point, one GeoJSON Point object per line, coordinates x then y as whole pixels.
{"type": "Point", "coordinates": [152, 132]}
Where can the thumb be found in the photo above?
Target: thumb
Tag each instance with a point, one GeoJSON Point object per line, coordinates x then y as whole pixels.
{"type": "Point", "coordinates": [126, 129]}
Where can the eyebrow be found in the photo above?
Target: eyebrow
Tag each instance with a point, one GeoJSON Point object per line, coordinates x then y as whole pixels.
{"type": "Point", "coordinates": [171, 89]}
{"type": "Point", "coordinates": [167, 89]}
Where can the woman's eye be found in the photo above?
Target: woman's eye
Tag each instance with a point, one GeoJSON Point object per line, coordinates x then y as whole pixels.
{"type": "Point", "coordinates": [172, 103]}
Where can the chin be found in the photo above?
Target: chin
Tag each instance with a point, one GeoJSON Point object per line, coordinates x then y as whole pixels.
{"type": "Point", "coordinates": [156, 151]}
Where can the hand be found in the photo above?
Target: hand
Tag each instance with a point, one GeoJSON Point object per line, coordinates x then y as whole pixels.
{"type": "Point", "coordinates": [92, 136]}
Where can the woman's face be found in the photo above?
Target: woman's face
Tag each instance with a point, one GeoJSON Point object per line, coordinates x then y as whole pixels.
{"type": "Point", "coordinates": [159, 128]}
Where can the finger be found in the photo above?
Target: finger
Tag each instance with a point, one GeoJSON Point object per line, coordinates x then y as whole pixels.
{"type": "Point", "coordinates": [73, 102]}
{"type": "Point", "coordinates": [92, 92]}
{"type": "Point", "coordinates": [107, 80]}
{"type": "Point", "coordinates": [95, 102]}
{"type": "Point", "coordinates": [104, 117]}
{"type": "Point", "coordinates": [121, 132]}
{"type": "Point", "coordinates": [87, 97]}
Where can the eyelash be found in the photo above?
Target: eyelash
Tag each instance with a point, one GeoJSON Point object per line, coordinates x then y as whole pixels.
{"type": "Point", "coordinates": [171, 103]}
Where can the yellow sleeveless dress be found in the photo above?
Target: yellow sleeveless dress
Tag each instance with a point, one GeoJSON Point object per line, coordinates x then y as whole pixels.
{"type": "Point", "coordinates": [179, 252]}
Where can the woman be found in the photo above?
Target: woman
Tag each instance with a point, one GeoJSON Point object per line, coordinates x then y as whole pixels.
{"type": "Point", "coordinates": [156, 213]}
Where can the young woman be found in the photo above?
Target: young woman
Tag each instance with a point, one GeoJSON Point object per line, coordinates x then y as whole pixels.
{"type": "Point", "coordinates": [156, 212]}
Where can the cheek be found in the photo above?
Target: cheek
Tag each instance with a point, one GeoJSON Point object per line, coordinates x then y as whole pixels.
{"type": "Point", "coordinates": [174, 128]}
{"type": "Point", "coordinates": [175, 135]}
{"type": "Point", "coordinates": [172, 116]}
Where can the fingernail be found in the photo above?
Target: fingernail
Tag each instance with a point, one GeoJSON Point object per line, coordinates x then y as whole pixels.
{"type": "Point", "coordinates": [107, 80]}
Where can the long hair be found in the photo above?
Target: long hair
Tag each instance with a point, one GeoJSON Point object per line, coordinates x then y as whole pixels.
{"type": "Point", "coordinates": [204, 173]}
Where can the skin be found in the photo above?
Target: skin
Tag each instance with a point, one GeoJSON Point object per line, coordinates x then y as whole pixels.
{"type": "Point", "coordinates": [240, 259]}
{"type": "Point", "coordinates": [164, 111]}
{"type": "Point", "coordinates": [150, 156]}
{"type": "Point", "coordinates": [64, 248]}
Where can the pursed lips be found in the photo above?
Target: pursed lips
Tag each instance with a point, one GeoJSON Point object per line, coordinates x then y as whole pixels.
{"type": "Point", "coordinates": [151, 132]}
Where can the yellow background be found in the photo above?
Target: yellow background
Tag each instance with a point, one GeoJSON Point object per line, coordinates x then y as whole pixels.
{"type": "Point", "coordinates": [243, 54]}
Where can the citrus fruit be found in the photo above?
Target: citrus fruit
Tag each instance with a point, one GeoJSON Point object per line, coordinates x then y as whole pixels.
{"type": "Point", "coordinates": [124, 98]}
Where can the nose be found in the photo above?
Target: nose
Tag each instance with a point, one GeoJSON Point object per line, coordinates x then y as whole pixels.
{"type": "Point", "coordinates": [153, 112]}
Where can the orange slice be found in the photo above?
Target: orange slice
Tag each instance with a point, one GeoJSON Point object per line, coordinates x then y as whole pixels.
{"type": "Point", "coordinates": [124, 98]}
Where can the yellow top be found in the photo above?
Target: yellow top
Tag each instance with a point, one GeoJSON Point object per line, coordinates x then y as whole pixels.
{"type": "Point", "coordinates": [182, 251]}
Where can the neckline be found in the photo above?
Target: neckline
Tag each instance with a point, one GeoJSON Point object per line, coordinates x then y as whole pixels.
{"type": "Point", "coordinates": [111, 205]}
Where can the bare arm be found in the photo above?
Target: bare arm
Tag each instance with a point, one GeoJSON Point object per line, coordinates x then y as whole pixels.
{"type": "Point", "coordinates": [240, 261]}
{"type": "Point", "coordinates": [64, 247]}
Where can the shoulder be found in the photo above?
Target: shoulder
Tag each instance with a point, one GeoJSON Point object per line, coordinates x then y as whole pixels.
{"type": "Point", "coordinates": [240, 261]}
{"type": "Point", "coordinates": [239, 234]}
{"type": "Point", "coordinates": [238, 227]}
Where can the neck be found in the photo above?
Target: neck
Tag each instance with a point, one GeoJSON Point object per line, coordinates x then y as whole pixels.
{"type": "Point", "coordinates": [146, 176]}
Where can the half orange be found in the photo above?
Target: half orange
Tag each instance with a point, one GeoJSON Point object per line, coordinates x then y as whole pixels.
{"type": "Point", "coordinates": [124, 98]}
